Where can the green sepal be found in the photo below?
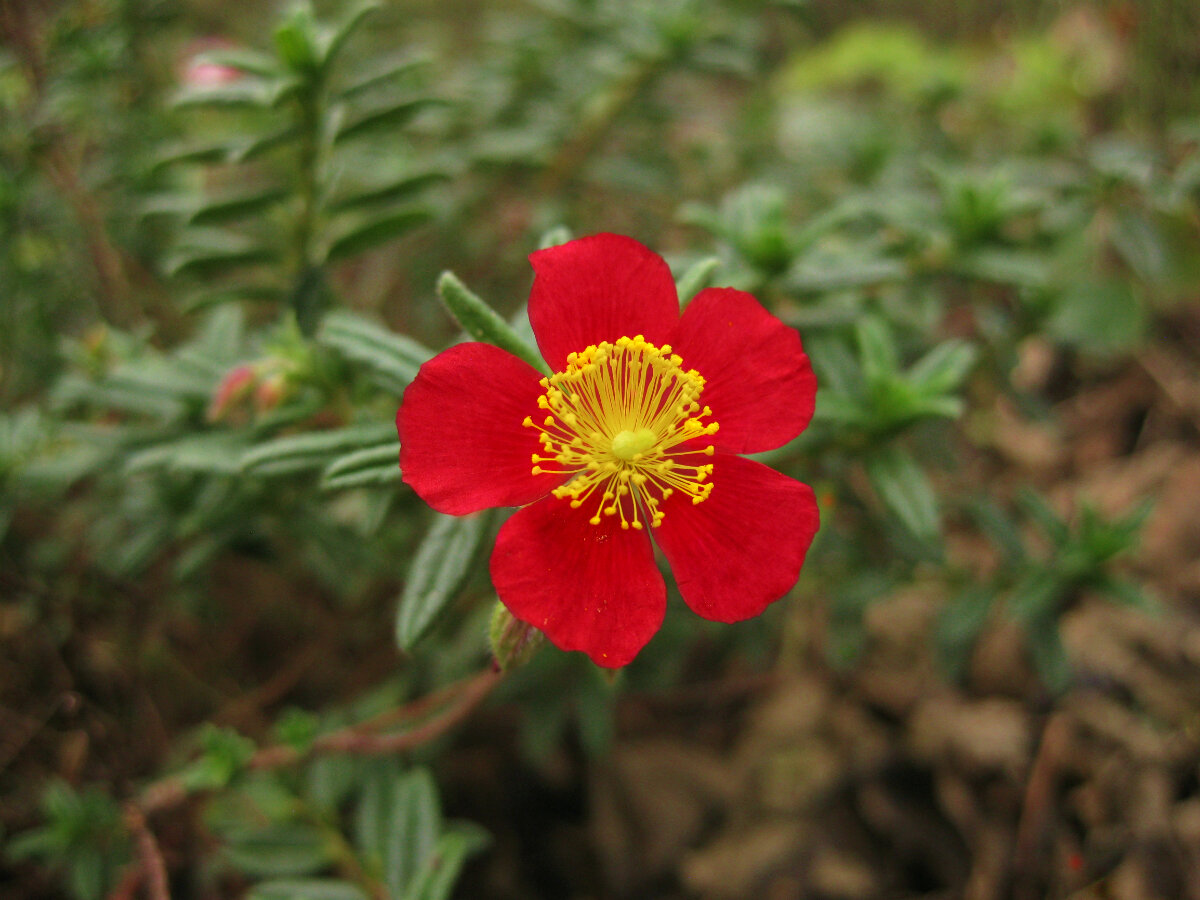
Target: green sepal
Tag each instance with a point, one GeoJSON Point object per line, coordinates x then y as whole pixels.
{"type": "Point", "coordinates": [482, 322]}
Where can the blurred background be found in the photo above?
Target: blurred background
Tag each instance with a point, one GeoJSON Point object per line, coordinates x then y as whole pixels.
{"type": "Point", "coordinates": [221, 232]}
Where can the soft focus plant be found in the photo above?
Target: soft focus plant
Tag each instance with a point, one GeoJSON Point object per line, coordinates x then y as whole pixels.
{"type": "Point", "coordinates": [223, 270]}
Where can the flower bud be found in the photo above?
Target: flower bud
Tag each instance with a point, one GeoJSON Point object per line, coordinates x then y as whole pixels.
{"type": "Point", "coordinates": [513, 642]}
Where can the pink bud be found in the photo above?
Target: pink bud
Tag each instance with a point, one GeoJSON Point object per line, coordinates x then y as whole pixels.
{"type": "Point", "coordinates": [234, 388]}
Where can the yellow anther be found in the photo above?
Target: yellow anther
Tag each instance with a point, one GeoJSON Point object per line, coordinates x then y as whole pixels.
{"type": "Point", "coordinates": [619, 417]}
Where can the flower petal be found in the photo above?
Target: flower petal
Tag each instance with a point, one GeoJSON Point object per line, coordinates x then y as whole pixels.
{"type": "Point", "coordinates": [758, 380]}
{"type": "Point", "coordinates": [462, 445]}
{"type": "Point", "coordinates": [741, 549]}
{"type": "Point", "coordinates": [599, 288]}
{"type": "Point", "coordinates": [589, 587]}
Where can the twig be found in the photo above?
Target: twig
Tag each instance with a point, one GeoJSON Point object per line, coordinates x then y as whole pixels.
{"type": "Point", "coordinates": [150, 857]}
{"type": "Point", "coordinates": [1038, 801]}
{"type": "Point", "coordinates": [359, 740]}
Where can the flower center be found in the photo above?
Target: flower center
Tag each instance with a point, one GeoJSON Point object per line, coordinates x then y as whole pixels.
{"type": "Point", "coordinates": [619, 421]}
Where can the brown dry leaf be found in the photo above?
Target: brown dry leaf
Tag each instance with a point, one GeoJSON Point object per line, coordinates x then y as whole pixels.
{"type": "Point", "coordinates": [650, 800]}
{"type": "Point", "coordinates": [982, 737]}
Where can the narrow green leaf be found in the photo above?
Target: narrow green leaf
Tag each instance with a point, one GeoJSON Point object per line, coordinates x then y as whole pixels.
{"type": "Point", "coordinates": [906, 493]}
{"type": "Point", "coordinates": [877, 349]}
{"type": "Point", "coordinates": [374, 232]}
{"type": "Point", "coordinates": [835, 365]}
{"type": "Point", "coordinates": [296, 40]}
{"type": "Point", "coordinates": [698, 277]}
{"type": "Point", "coordinates": [208, 251]}
{"type": "Point", "coordinates": [198, 154]}
{"type": "Point", "coordinates": [300, 452]}
{"type": "Point", "coordinates": [230, 209]}
{"type": "Point", "coordinates": [245, 93]}
{"type": "Point", "coordinates": [374, 465]}
{"type": "Point", "coordinates": [215, 453]}
{"type": "Point", "coordinates": [1051, 524]}
{"type": "Point", "coordinates": [1049, 655]}
{"type": "Point", "coordinates": [414, 826]}
{"type": "Point", "coordinates": [332, 45]}
{"type": "Point", "coordinates": [391, 359]}
{"type": "Point", "coordinates": [820, 274]}
{"type": "Point", "coordinates": [387, 118]}
{"type": "Point", "coordinates": [440, 566]}
{"type": "Point", "coordinates": [391, 70]}
{"type": "Point", "coordinates": [482, 322]}
{"type": "Point", "coordinates": [208, 298]}
{"type": "Point", "coordinates": [959, 626]}
{"type": "Point", "coordinates": [306, 889]}
{"type": "Point", "coordinates": [241, 58]}
{"type": "Point", "coordinates": [247, 151]}
{"type": "Point", "coordinates": [280, 850]}
{"type": "Point", "coordinates": [374, 814]}
{"type": "Point", "coordinates": [943, 368]}
{"type": "Point", "coordinates": [1036, 596]}
{"type": "Point", "coordinates": [1099, 316]}
{"type": "Point", "coordinates": [388, 193]}
{"type": "Point", "coordinates": [441, 873]}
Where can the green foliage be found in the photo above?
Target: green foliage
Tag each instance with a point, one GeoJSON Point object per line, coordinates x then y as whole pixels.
{"type": "Point", "coordinates": [82, 835]}
{"type": "Point", "coordinates": [302, 116]}
{"type": "Point", "coordinates": [390, 839]}
{"type": "Point", "coordinates": [216, 291]}
{"type": "Point", "coordinates": [1048, 570]}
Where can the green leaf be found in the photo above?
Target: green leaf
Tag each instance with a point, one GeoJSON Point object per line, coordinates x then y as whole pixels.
{"type": "Point", "coordinates": [377, 231]}
{"type": "Point", "coordinates": [241, 58]}
{"type": "Point", "coordinates": [837, 368]}
{"type": "Point", "coordinates": [374, 813]}
{"type": "Point", "coordinates": [300, 452]}
{"type": "Point", "coordinates": [1101, 317]}
{"type": "Point", "coordinates": [1051, 524]}
{"type": "Point", "coordinates": [198, 154]}
{"type": "Point", "coordinates": [231, 209]}
{"type": "Point", "coordinates": [482, 322]}
{"type": "Point", "coordinates": [1049, 656]}
{"type": "Point", "coordinates": [413, 828]}
{"type": "Point", "coordinates": [249, 150]}
{"type": "Point", "coordinates": [208, 298]}
{"type": "Point", "coordinates": [280, 850]}
{"type": "Point", "coordinates": [943, 368]}
{"type": "Point", "coordinates": [1036, 596]}
{"type": "Point", "coordinates": [390, 192]}
{"type": "Point", "coordinates": [440, 566]}
{"type": "Point", "coordinates": [391, 359]}
{"type": "Point", "coordinates": [296, 39]}
{"type": "Point", "coordinates": [391, 70]}
{"type": "Point", "coordinates": [387, 118]}
{"type": "Point", "coordinates": [212, 453]}
{"type": "Point", "coordinates": [441, 872]}
{"type": "Point", "coordinates": [1016, 267]}
{"type": "Point", "coordinates": [333, 44]}
{"type": "Point", "coordinates": [907, 494]}
{"type": "Point", "coordinates": [245, 93]}
{"type": "Point", "coordinates": [877, 349]}
{"type": "Point", "coordinates": [959, 626]}
{"type": "Point", "coordinates": [698, 277]}
{"type": "Point", "coordinates": [306, 889]}
{"type": "Point", "coordinates": [818, 274]}
{"type": "Point", "coordinates": [206, 252]}
{"type": "Point", "coordinates": [374, 465]}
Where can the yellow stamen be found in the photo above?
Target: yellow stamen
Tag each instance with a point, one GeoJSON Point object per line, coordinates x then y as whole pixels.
{"type": "Point", "coordinates": [617, 417]}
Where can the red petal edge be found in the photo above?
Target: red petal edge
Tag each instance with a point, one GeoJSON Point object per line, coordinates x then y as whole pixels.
{"type": "Point", "coordinates": [741, 549]}
{"type": "Point", "coordinates": [758, 380]}
{"type": "Point", "coordinates": [462, 445]}
{"type": "Point", "coordinates": [588, 587]}
{"type": "Point", "coordinates": [599, 288]}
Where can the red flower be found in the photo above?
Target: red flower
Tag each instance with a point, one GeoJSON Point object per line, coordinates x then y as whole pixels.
{"type": "Point", "coordinates": [640, 426]}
